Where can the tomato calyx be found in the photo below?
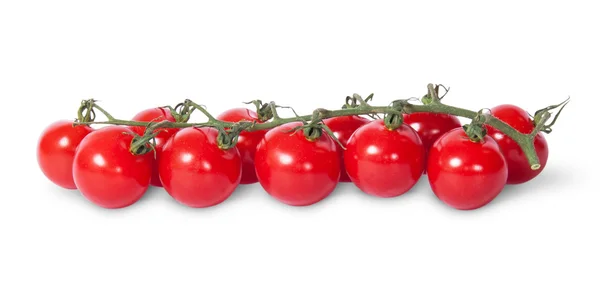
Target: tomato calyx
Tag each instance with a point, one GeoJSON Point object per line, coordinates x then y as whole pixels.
{"type": "Point", "coordinates": [543, 115]}
{"type": "Point", "coordinates": [314, 129]}
{"type": "Point", "coordinates": [356, 100]}
{"type": "Point", "coordinates": [182, 111]}
{"type": "Point", "coordinates": [263, 110]}
{"type": "Point", "coordinates": [312, 133]}
{"type": "Point", "coordinates": [399, 107]}
{"type": "Point", "coordinates": [142, 144]}
{"type": "Point", "coordinates": [393, 121]}
{"type": "Point", "coordinates": [228, 137]}
{"type": "Point", "coordinates": [86, 113]}
{"type": "Point", "coordinates": [433, 94]}
{"type": "Point", "coordinates": [476, 130]}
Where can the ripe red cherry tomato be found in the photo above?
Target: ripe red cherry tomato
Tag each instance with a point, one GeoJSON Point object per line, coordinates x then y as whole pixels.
{"type": "Point", "coordinates": [295, 170]}
{"type": "Point", "coordinates": [430, 126]}
{"type": "Point", "coordinates": [195, 171]}
{"type": "Point", "coordinates": [384, 162]}
{"type": "Point", "coordinates": [519, 170]}
{"type": "Point", "coordinates": [157, 114]}
{"type": "Point", "coordinates": [247, 141]}
{"type": "Point", "coordinates": [56, 150]}
{"type": "Point", "coordinates": [343, 128]}
{"type": "Point", "coordinates": [466, 174]}
{"type": "Point", "coordinates": [106, 172]}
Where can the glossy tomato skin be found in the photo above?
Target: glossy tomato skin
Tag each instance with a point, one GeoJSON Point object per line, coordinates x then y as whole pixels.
{"type": "Point", "coordinates": [56, 150]}
{"type": "Point", "coordinates": [519, 170]}
{"type": "Point", "coordinates": [195, 171]}
{"type": "Point", "coordinates": [383, 162]}
{"type": "Point", "coordinates": [430, 126]}
{"type": "Point", "coordinates": [294, 170]}
{"type": "Point", "coordinates": [465, 174]}
{"type": "Point", "coordinates": [247, 141]}
{"type": "Point", "coordinates": [343, 128]}
{"type": "Point", "coordinates": [107, 173]}
{"type": "Point", "coordinates": [157, 114]}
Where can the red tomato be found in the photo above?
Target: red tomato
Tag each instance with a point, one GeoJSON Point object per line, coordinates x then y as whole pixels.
{"type": "Point", "coordinates": [519, 170]}
{"type": "Point", "coordinates": [466, 174]}
{"type": "Point", "coordinates": [157, 114]}
{"type": "Point", "coordinates": [195, 171]}
{"type": "Point", "coordinates": [56, 150]}
{"type": "Point", "coordinates": [295, 170]}
{"type": "Point", "coordinates": [106, 172]}
{"type": "Point", "coordinates": [430, 126]}
{"type": "Point", "coordinates": [384, 162]}
{"type": "Point", "coordinates": [247, 141]}
{"type": "Point", "coordinates": [343, 128]}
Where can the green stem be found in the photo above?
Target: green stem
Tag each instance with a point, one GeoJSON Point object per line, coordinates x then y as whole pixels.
{"type": "Point", "coordinates": [273, 108]}
{"type": "Point", "coordinates": [202, 109]}
{"type": "Point", "coordinates": [525, 141]}
{"type": "Point", "coordinates": [541, 124]}
{"type": "Point", "coordinates": [108, 116]}
{"type": "Point", "coordinates": [325, 114]}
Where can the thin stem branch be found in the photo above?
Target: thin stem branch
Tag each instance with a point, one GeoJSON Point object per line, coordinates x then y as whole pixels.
{"type": "Point", "coordinates": [102, 110]}
{"type": "Point", "coordinates": [201, 109]}
{"type": "Point", "coordinates": [541, 124]}
{"type": "Point", "coordinates": [273, 108]}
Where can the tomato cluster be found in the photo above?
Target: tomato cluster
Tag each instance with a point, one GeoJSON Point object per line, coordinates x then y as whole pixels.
{"type": "Point", "coordinates": [292, 166]}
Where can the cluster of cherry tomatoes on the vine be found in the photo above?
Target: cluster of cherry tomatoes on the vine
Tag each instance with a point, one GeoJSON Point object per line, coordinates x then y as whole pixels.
{"type": "Point", "coordinates": [292, 168]}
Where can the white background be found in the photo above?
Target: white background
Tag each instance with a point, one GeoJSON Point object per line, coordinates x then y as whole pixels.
{"type": "Point", "coordinates": [535, 241]}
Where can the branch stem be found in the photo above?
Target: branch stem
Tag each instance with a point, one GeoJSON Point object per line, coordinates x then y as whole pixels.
{"type": "Point", "coordinates": [525, 141]}
{"type": "Point", "coordinates": [102, 110]}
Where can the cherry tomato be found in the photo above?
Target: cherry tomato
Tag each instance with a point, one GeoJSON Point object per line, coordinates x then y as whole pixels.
{"type": "Point", "coordinates": [295, 170]}
{"type": "Point", "coordinates": [430, 126]}
{"type": "Point", "coordinates": [343, 128]}
{"type": "Point", "coordinates": [157, 114]}
{"type": "Point", "coordinates": [465, 174]}
{"type": "Point", "coordinates": [195, 171]}
{"type": "Point", "coordinates": [56, 151]}
{"type": "Point", "coordinates": [247, 141]}
{"type": "Point", "coordinates": [519, 170]}
{"type": "Point", "coordinates": [384, 162]}
{"type": "Point", "coordinates": [106, 172]}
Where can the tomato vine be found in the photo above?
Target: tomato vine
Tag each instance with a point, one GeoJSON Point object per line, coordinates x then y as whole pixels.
{"type": "Point", "coordinates": [355, 105]}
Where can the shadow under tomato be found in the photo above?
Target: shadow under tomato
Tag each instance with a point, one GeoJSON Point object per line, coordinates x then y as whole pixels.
{"type": "Point", "coordinates": [348, 189]}
{"type": "Point", "coordinates": [341, 191]}
{"type": "Point", "coordinates": [420, 188]}
{"type": "Point", "coordinates": [551, 178]}
{"type": "Point", "coordinates": [63, 193]}
{"type": "Point", "coordinates": [244, 192]}
{"type": "Point", "coordinates": [153, 192]}
{"type": "Point", "coordinates": [74, 197]}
